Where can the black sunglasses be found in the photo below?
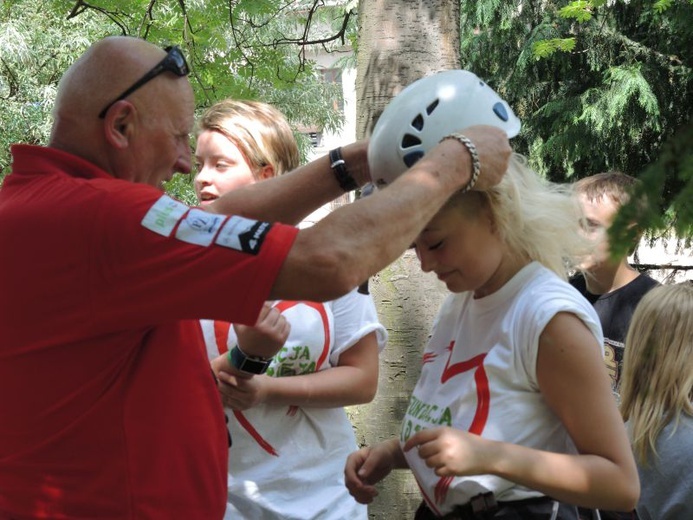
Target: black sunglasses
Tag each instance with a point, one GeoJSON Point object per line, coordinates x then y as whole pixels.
{"type": "Point", "coordinates": [173, 62]}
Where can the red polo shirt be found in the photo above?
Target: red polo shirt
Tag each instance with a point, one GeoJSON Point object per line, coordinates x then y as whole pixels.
{"type": "Point", "coordinates": [108, 408]}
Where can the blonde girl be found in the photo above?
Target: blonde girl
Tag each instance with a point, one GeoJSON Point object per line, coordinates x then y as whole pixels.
{"type": "Point", "coordinates": [657, 396]}
{"type": "Point", "coordinates": [512, 416]}
{"type": "Point", "coordinates": [290, 433]}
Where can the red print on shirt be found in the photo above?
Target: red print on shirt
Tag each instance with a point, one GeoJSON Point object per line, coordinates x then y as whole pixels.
{"type": "Point", "coordinates": [483, 399]}
{"type": "Point", "coordinates": [221, 334]}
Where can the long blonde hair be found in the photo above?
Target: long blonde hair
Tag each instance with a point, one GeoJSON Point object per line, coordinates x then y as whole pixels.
{"type": "Point", "coordinates": [657, 382]}
{"type": "Point", "coordinates": [260, 131]}
{"type": "Point", "coordinates": [537, 219]}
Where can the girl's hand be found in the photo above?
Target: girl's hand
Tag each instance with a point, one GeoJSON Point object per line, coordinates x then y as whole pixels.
{"type": "Point", "coordinates": [451, 452]}
{"type": "Point", "coordinates": [267, 336]}
{"type": "Point", "coordinates": [368, 466]}
{"type": "Point", "coordinates": [241, 393]}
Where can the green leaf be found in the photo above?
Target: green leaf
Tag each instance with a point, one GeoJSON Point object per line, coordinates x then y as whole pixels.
{"type": "Point", "coordinates": [579, 10]}
{"type": "Point", "coordinates": [545, 48]}
{"type": "Point", "coordinates": [661, 5]}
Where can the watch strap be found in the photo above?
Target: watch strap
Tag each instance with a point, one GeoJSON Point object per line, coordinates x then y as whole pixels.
{"type": "Point", "coordinates": [338, 165]}
{"type": "Point", "coordinates": [252, 365]}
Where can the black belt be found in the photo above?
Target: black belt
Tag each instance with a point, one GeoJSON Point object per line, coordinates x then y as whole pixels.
{"type": "Point", "coordinates": [481, 507]}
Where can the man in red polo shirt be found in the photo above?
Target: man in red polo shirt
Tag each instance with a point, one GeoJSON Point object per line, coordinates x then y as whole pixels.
{"type": "Point", "coordinates": [108, 408]}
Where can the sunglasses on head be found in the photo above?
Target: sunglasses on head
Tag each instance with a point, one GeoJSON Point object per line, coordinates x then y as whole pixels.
{"type": "Point", "coordinates": [173, 62]}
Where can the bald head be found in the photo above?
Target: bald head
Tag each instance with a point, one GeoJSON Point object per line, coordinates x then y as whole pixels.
{"type": "Point", "coordinates": [95, 80]}
{"type": "Point", "coordinates": [106, 69]}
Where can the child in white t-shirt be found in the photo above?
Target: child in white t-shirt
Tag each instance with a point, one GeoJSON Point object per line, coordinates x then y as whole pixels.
{"type": "Point", "coordinates": [513, 415]}
{"type": "Point", "coordinates": [290, 433]}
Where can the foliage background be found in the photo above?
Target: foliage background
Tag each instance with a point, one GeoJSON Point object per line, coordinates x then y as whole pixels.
{"type": "Point", "coordinates": [245, 49]}
{"type": "Point", "coordinates": [598, 85]}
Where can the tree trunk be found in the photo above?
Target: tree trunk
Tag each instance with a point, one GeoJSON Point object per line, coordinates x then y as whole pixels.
{"type": "Point", "coordinates": [407, 300]}
{"type": "Point", "coordinates": [400, 41]}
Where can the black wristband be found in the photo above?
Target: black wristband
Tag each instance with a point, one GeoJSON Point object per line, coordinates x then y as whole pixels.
{"type": "Point", "coordinates": [338, 165]}
{"type": "Point", "coordinates": [245, 363]}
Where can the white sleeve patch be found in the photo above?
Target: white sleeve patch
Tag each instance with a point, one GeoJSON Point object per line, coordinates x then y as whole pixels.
{"type": "Point", "coordinates": [163, 216]}
{"type": "Point", "coordinates": [243, 234]}
{"type": "Point", "coordinates": [199, 227]}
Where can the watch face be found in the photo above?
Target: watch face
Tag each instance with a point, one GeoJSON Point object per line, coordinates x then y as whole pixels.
{"type": "Point", "coordinates": [246, 364]}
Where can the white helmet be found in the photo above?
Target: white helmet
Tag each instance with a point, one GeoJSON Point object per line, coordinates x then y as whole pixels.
{"type": "Point", "coordinates": [428, 110]}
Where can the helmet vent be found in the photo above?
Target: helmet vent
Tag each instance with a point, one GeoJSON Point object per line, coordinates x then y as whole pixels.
{"type": "Point", "coordinates": [411, 158]}
{"type": "Point", "coordinates": [410, 140]}
{"type": "Point", "coordinates": [430, 108]}
{"type": "Point", "coordinates": [500, 111]}
{"type": "Point", "coordinates": [418, 122]}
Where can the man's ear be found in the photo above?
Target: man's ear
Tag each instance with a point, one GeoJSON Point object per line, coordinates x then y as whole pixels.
{"type": "Point", "coordinates": [119, 123]}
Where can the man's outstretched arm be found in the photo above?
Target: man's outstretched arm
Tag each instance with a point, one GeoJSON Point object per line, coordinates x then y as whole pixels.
{"type": "Point", "coordinates": [358, 240]}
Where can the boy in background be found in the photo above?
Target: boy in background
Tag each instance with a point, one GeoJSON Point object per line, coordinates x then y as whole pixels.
{"type": "Point", "coordinates": [610, 283]}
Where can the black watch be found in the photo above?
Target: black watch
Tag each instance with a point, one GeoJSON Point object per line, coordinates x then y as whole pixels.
{"type": "Point", "coordinates": [245, 363]}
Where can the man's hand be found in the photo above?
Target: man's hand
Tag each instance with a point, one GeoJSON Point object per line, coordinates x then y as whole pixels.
{"type": "Point", "coordinates": [494, 153]}
{"type": "Point", "coordinates": [492, 147]}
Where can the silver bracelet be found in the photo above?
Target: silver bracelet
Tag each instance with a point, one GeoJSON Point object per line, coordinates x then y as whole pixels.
{"type": "Point", "coordinates": [476, 165]}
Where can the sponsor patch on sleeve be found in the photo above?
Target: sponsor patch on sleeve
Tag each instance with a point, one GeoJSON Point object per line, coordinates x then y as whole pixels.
{"type": "Point", "coordinates": [163, 216]}
{"type": "Point", "coordinates": [243, 234]}
{"type": "Point", "coordinates": [199, 227]}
